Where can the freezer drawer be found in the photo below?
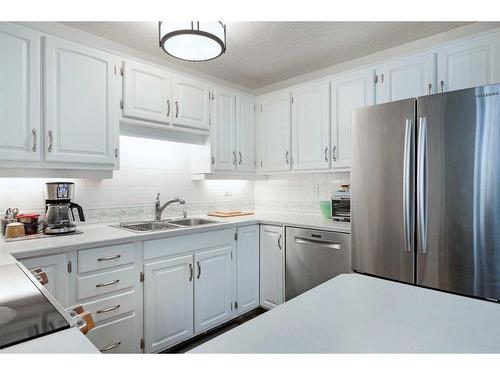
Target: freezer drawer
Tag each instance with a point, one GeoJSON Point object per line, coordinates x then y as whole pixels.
{"type": "Point", "coordinates": [313, 257]}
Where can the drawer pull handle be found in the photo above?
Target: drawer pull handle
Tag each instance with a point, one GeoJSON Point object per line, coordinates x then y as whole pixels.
{"type": "Point", "coordinates": [111, 257]}
{"type": "Point", "coordinates": [108, 283]}
{"type": "Point", "coordinates": [108, 309]}
{"type": "Point", "coordinates": [112, 346]}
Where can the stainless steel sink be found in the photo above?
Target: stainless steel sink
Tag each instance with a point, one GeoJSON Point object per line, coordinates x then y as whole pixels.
{"type": "Point", "coordinates": [148, 226]}
{"type": "Point", "coordinates": [191, 222]}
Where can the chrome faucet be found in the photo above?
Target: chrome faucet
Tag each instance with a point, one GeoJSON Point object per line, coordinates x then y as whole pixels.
{"type": "Point", "coordinates": [159, 208]}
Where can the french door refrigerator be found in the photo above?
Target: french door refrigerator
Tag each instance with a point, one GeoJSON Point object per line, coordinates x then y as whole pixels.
{"type": "Point", "coordinates": [425, 182]}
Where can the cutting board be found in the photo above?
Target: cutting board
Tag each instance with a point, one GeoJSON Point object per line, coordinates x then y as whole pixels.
{"type": "Point", "coordinates": [229, 213]}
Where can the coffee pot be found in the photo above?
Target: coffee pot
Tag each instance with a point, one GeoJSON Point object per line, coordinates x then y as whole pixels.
{"type": "Point", "coordinates": [59, 217]}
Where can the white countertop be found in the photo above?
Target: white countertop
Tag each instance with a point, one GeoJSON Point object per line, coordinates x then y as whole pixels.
{"type": "Point", "coordinates": [103, 234]}
{"type": "Point", "coordinates": [67, 341]}
{"type": "Point", "coordinates": [362, 314]}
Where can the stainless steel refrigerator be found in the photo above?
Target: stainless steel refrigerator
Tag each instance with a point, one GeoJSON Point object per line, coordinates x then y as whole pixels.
{"type": "Point", "coordinates": [425, 182]}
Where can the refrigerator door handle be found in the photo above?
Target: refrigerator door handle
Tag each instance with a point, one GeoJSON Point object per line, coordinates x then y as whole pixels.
{"type": "Point", "coordinates": [422, 184]}
{"type": "Point", "coordinates": [407, 185]}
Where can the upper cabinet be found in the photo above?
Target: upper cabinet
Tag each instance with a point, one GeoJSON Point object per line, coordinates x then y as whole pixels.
{"type": "Point", "coordinates": [245, 133]}
{"type": "Point", "coordinates": [147, 93]}
{"type": "Point", "coordinates": [406, 78]}
{"type": "Point", "coordinates": [190, 103]}
{"type": "Point", "coordinates": [80, 103]}
{"type": "Point", "coordinates": [19, 94]}
{"type": "Point", "coordinates": [224, 130]}
{"type": "Point", "coordinates": [275, 133]}
{"type": "Point", "coordinates": [311, 127]}
{"type": "Point", "coordinates": [348, 92]}
{"type": "Point", "coordinates": [468, 64]}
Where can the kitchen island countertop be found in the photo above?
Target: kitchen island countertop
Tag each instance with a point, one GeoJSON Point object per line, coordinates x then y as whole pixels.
{"type": "Point", "coordinates": [362, 314]}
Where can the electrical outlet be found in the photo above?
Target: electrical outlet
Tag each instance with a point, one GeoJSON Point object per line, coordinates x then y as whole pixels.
{"type": "Point", "coordinates": [316, 190]}
{"type": "Point", "coordinates": [228, 194]}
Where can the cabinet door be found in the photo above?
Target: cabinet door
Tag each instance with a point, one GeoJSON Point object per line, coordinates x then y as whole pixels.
{"type": "Point", "coordinates": [275, 133]}
{"type": "Point", "coordinates": [407, 78]}
{"type": "Point", "coordinates": [248, 268]}
{"type": "Point", "coordinates": [56, 268]}
{"type": "Point", "coordinates": [214, 290]}
{"type": "Point", "coordinates": [469, 64]}
{"type": "Point", "coordinates": [168, 302]}
{"type": "Point", "coordinates": [147, 92]}
{"type": "Point", "coordinates": [349, 92]}
{"type": "Point", "coordinates": [191, 99]}
{"type": "Point", "coordinates": [311, 127]}
{"type": "Point", "coordinates": [81, 103]}
{"type": "Point", "coordinates": [271, 266]}
{"type": "Point", "coordinates": [245, 133]}
{"type": "Point", "coordinates": [19, 93]}
{"type": "Point", "coordinates": [224, 128]}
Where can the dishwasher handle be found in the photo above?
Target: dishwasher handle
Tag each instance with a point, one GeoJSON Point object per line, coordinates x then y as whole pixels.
{"type": "Point", "coordinates": [308, 241]}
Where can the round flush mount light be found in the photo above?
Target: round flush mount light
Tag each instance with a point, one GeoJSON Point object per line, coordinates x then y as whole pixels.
{"type": "Point", "coordinates": [193, 40]}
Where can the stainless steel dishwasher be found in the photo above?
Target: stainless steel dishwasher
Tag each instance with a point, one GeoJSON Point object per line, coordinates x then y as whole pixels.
{"type": "Point", "coordinates": [313, 257]}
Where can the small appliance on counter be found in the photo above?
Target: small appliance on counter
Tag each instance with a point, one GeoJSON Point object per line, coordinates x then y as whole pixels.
{"type": "Point", "coordinates": [341, 204]}
{"type": "Point", "coordinates": [59, 217]}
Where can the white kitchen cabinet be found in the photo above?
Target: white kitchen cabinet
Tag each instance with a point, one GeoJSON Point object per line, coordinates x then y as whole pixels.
{"type": "Point", "coordinates": [214, 292]}
{"type": "Point", "coordinates": [190, 103]}
{"type": "Point", "coordinates": [407, 78]}
{"type": "Point", "coordinates": [275, 133]}
{"type": "Point", "coordinates": [247, 268]}
{"type": "Point", "coordinates": [348, 92]}
{"type": "Point", "coordinates": [245, 133]}
{"type": "Point", "coordinates": [58, 270]}
{"type": "Point", "coordinates": [81, 101]}
{"type": "Point", "coordinates": [470, 63]}
{"type": "Point", "coordinates": [311, 127]}
{"type": "Point", "coordinates": [147, 93]}
{"type": "Point", "coordinates": [168, 302]}
{"type": "Point", "coordinates": [224, 130]}
{"type": "Point", "coordinates": [19, 94]}
{"type": "Point", "coordinates": [272, 264]}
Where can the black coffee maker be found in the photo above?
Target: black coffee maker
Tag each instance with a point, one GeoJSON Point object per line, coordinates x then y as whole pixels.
{"type": "Point", "coordinates": [59, 215]}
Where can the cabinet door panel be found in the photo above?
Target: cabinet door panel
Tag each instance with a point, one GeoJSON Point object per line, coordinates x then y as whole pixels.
{"type": "Point", "coordinates": [168, 302]}
{"type": "Point", "coordinates": [408, 78]}
{"type": "Point", "coordinates": [245, 133]}
{"type": "Point", "coordinates": [224, 130]}
{"type": "Point", "coordinates": [214, 290]}
{"type": "Point", "coordinates": [191, 99]}
{"type": "Point", "coordinates": [248, 268]}
{"type": "Point", "coordinates": [80, 103]}
{"type": "Point", "coordinates": [271, 266]}
{"type": "Point", "coordinates": [311, 127]}
{"type": "Point", "coordinates": [19, 93]}
{"type": "Point", "coordinates": [348, 93]}
{"type": "Point", "coordinates": [469, 64]}
{"type": "Point", "coordinates": [146, 92]}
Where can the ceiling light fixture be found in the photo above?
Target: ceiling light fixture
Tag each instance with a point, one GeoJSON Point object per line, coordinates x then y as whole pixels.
{"type": "Point", "coordinates": [193, 40]}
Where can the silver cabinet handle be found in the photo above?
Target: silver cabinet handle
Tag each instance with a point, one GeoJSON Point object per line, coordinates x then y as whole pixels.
{"type": "Point", "coordinates": [407, 185]}
{"type": "Point", "coordinates": [116, 152]}
{"type": "Point", "coordinates": [190, 272]}
{"type": "Point", "coordinates": [429, 89]}
{"type": "Point", "coordinates": [176, 109]}
{"type": "Point", "coordinates": [234, 157]}
{"type": "Point", "coordinates": [108, 283]}
{"type": "Point", "coordinates": [442, 86]}
{"type": "Point", "coordinates": [51, 140]}
{"type": "Point", "coordinates": [334, 152]}
{"type": "Point", "coordinates": [33, 132]}
{"type": "Point", "coordinates": [168, 108]}
{"type": "Point", "coordinates": [199, 269]}
{"type": "Point", "coordinates": [422, 185]}
{"type": "Point", "coordinates": [287, 153]}
{"type": "Point", "coordinates": [108, 309]}
{"type": "Point", "coordinates": [241, 157]}
{"type": "Point", "coordinates": [111, 257]}
{"type": "Point", "coordinates": [326, 154]}
{"type": "Point", "coordinates": [108, 348]}
{"type": "Point", "coordinates": [279, 241]}
{"type": "Point", "coordinates": [308, 241]}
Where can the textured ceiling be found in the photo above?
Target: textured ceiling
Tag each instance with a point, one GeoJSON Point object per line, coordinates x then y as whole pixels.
{"type": "Point", "coordinates": [262, 53]}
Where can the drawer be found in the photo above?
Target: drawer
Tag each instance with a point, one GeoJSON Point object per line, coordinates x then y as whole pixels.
{"type": "Point", "coordinates": [117, 336]}
{"type": "Point", "coordinates": [109, 307]}
{"type": "Point", "coordinates": [106, 282]}
{"type": "Point", "coordinates": [105, 257]}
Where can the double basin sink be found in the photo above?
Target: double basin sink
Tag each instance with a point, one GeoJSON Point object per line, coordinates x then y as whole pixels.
{"type": "Point", "coordinates": [154, 225]}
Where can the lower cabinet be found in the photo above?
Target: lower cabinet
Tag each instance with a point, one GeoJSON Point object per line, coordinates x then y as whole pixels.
{"type": "Point", "coordinates": [247, 269]}
{"type": "Point", "coordinates": [272, 261]}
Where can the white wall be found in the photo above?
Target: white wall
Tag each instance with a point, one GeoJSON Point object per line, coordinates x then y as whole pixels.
{"type": "Point", "coordinates": [147, 167]}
